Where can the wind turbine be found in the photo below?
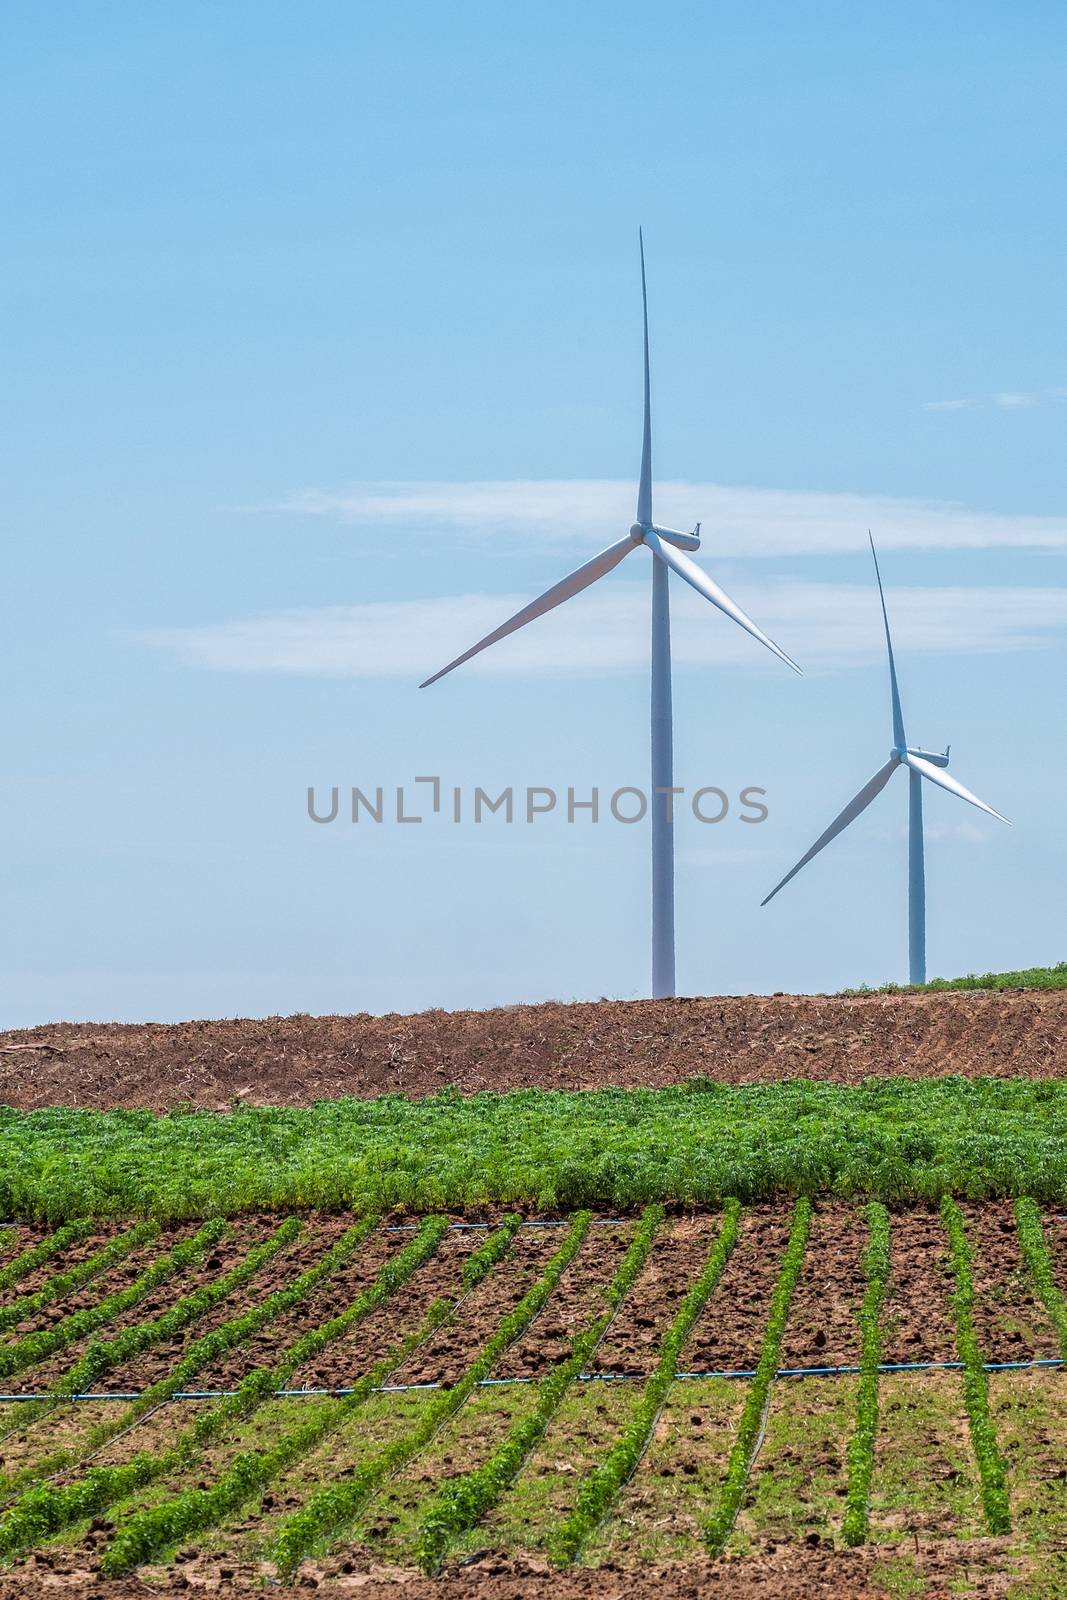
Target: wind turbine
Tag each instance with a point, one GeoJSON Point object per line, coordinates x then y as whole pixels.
{"type": "Point", "coordinates": [920, 764]}
{"type": "Point", "coordinates": [666, 546]}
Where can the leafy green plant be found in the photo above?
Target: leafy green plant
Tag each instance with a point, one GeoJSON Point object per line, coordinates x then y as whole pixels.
{"type": "Point", "coordinates": [60, 1284]}
{"type": "Point", "coordinates": [750, 1428]}
{"type": "Point", "coordinates": [991, 1471]}
{"type": "Point", "coordinates": [335, 1506]}
{"type": "Point", "coordinates": [861, 1445]}
{"type": "Point", "coordinates": [888, 1139]}
{"type": "Point", "coordinates": [1028, 978]}
{"type": "Point", "coordinates": [600, 1489]}
{"type": "Point", "coordinates": [463, 1501]}
{"type": "Point", "coordinates": [1034, 1247]}
{"type": "Point", "coordinates": [28, 1260]}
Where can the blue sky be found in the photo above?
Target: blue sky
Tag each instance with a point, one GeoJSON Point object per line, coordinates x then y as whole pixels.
{"type": "Point", "coordinates": [322, 354]}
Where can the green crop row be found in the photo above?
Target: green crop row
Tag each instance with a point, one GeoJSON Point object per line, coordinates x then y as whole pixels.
{"type": "Point", "coordinates": [861, 1445]}
{"type": "Point", "coordinates": [1035, 1252]}
{"type": "Point", "coordinates": [38, 1254]}
{"type": "Point", "coordinates": [34, 1347]}
{"type": "Point", "coordinates": [45, 1509]}
{"type": "Point", "coordinates": [207, 1349]}
{"type": "Point", "coordinates": [333, 1508]}
{"type": "Point", "coordinates": [148, 1533]}
{"type": "Point", "coordinates": [694, 1144]}
{"type": "Point", "coordinates": [991, 1471]}
{"type": "Point", "coordinates": [600, 1489]}
{"type": "Point", "coordinates": [465, 1500]}
{"type": "Point", "coordinates": [61, 1284]}
{"type": "Point", "coordinates": [750, 1428]}
{"type": "Point", "coordinates": [103, 1355]}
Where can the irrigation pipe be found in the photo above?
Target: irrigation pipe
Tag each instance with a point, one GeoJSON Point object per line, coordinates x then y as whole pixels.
{"type": "Point", "coordinates": [583, 1377]}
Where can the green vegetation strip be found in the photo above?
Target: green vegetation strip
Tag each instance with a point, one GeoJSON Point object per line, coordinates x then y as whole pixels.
{"type": "Point", "coordinates": [991, 1469]}
{"type": "Point", "coordinates": [333, 1508]}
{"type": "Point", "coordinates": [750, 1428]}
{"type": "Point", "coordinates": [38, 1254]}
{"type": "Point", "coordinates": [1035, 1252]}
{"type": "Point", "coordinates": [465, 1500]}
{"type": "Point", "coordinates": [103, 1355]}
{"type": "Point", "coordinates": [861, 1445]}
{"type": "Point", "coordinates": [46, 1509]}
{"type": "Point", "coordinates": [200, 1354]}
{"type": "Point", "coordinates": [60, 1284]}
{"type": "Point", "coordinates": [37, 1346]}
{"type": "Point", "coordinates": [148, 1534]}
{"type": "Point", "coordinates": [1028, 978]}
{"type": "Point", "coordinates": [601, 1488]}
{"type": "Point", "coordinates": [694, 1144]}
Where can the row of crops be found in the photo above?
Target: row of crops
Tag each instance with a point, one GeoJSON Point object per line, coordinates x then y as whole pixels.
{"type": "Point", "coordinates": [233, 1455]}
{"type": "Point", "coordinates": [697, 1144]}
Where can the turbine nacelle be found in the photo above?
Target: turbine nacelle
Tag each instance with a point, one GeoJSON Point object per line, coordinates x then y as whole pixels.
{"type": "Point", "coordinates": [935, 758]}
{"type": "Point", "coordinates": [684, 541]}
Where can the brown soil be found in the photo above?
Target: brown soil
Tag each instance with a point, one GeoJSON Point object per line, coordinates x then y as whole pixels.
{"type": "Point", "coordinates": [810, 1572]}
{"type": "Point", "coordinates": [328, 1300]}
{"type": "Point", "coordinates": [447, 1354]}
{"type": "Point", "coordinates": [577, 1301]}
{"type": "Point", "coordinates": [1056, 1234]}
{"type": "Point", "coordinates": [341, 1362]}
{"type": "Point", "coordinates": [1009, 1319]}
{"type": "Point", "coordinates": [746, 1039]}
{"type": "Point", "coordinates": [822, 1330]}
{"type": "Point", "coordinates": [675, 1261]}
{"type": "Point", "coordinates": [918, 1314]}
{"type": "Point", "coordinates": [729, 1335]}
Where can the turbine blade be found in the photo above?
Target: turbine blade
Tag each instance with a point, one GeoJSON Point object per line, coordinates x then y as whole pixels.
{"type": "Point", "coordinates": [644, 492]}
{"type": "Point", "coordinates": [943, 781]}
{"type": "Point", "coordinates": [841, 822]}
{"type": "Point", "coordinates": [571, 585]}
{"type": "Point", "coordinates": [898, 716]}
{"type": "Point", "coordinates": [700, 581]}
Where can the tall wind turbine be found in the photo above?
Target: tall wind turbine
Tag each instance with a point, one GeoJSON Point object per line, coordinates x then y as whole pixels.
{"type": "Point", "coordinates": [666, 545]}
{"type": "Point", "coordinates": [920, 764]}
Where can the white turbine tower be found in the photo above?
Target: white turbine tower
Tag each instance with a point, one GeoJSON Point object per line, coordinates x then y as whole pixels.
{"type": "Point", "coordinates": [666, 545]}
{"type": "Point", "coordinates": [920, 764]}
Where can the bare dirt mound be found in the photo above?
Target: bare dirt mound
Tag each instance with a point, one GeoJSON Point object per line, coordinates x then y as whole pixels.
{"type": "Point", "coordinates": [746, 1039]}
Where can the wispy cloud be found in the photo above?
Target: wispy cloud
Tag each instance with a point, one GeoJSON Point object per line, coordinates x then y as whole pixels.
{"type": "Point", "coordinates": [737, 521]}
{"type": "Point", "coordinates": [1006, 400]}
{"type": "Point", "coordinates": [822, 625]}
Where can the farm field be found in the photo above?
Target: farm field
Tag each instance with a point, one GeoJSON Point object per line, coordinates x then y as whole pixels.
{"type": "Point", "coordinates": [635, 1044]}
{"type": "Point", "coordinates": [581, 1394]}
{"type": "Point", "coordinates": [708, 1298]}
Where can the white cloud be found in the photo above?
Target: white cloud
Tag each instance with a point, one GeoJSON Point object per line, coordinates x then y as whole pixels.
{"type": "Point", "coordinates": [737, 521]}
{"type": "Point", "coordinates": [1015, 400]}
{"type": "Point", "coordinates": [605, 630]}
{"type": "Point", "coordinates": [1006, 400]}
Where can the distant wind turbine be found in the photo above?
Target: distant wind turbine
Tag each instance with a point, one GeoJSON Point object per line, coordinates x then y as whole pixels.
{"type": "Point", "coordinates": [920, 764]}
{"type": "Point", "coordinates": [666, 545]}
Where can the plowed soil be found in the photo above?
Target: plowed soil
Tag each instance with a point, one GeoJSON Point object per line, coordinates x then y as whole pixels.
{"type": "Point", "coordinates": [775, 1574]}
{"type": "Point", "coordinates": [746, 1039]}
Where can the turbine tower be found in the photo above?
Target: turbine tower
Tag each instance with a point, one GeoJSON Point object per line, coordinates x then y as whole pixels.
{"type": "Point", "coordinates": [667, 546]}
{"type": "Point", "coordinates": [920, 764]}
